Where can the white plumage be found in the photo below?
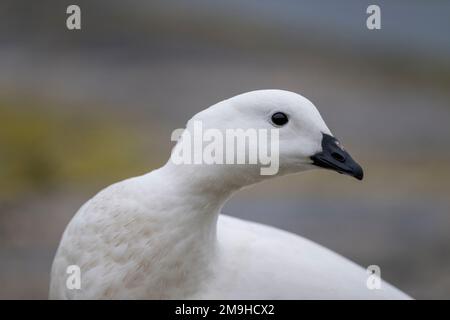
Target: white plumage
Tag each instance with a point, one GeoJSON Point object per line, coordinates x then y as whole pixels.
{"type": "Point", "coordinates": [160, 235]}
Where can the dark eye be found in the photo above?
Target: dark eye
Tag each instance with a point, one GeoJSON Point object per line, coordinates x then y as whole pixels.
{"type": "Point", "coordinates": [280, 118]}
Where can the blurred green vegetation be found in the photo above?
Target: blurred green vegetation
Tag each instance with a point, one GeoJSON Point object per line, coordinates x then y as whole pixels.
{"type": "Point", "coordinates": [41, 147]}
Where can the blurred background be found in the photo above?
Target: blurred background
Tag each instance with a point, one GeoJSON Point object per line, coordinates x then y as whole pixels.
{"type": "Point", "coordinates": [82, 109]}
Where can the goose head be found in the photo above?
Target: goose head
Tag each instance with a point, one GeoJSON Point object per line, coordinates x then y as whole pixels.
{"type": "Point", "coordinates": [297, 138]}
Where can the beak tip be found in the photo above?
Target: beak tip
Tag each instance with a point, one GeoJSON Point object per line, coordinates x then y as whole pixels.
{"type": "Point", "coordinates": [358, 173]}
{"type": "Point", "coordinates": [359, 176]}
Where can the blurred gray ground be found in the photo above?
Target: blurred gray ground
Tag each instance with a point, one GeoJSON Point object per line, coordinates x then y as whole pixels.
{"type": "Point", "coordinates": [79, 111]}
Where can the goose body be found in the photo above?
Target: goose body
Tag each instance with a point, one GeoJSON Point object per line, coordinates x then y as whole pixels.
{"type": "Point", "coordinates": [162, 236]}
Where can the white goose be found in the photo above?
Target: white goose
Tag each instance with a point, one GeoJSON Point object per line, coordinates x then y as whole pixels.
{"type": "Point", "coordinates": [161, 235]}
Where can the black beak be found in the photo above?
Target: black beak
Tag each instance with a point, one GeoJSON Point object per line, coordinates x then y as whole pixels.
{"type": "Point", "coordinates": [335, 158]}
